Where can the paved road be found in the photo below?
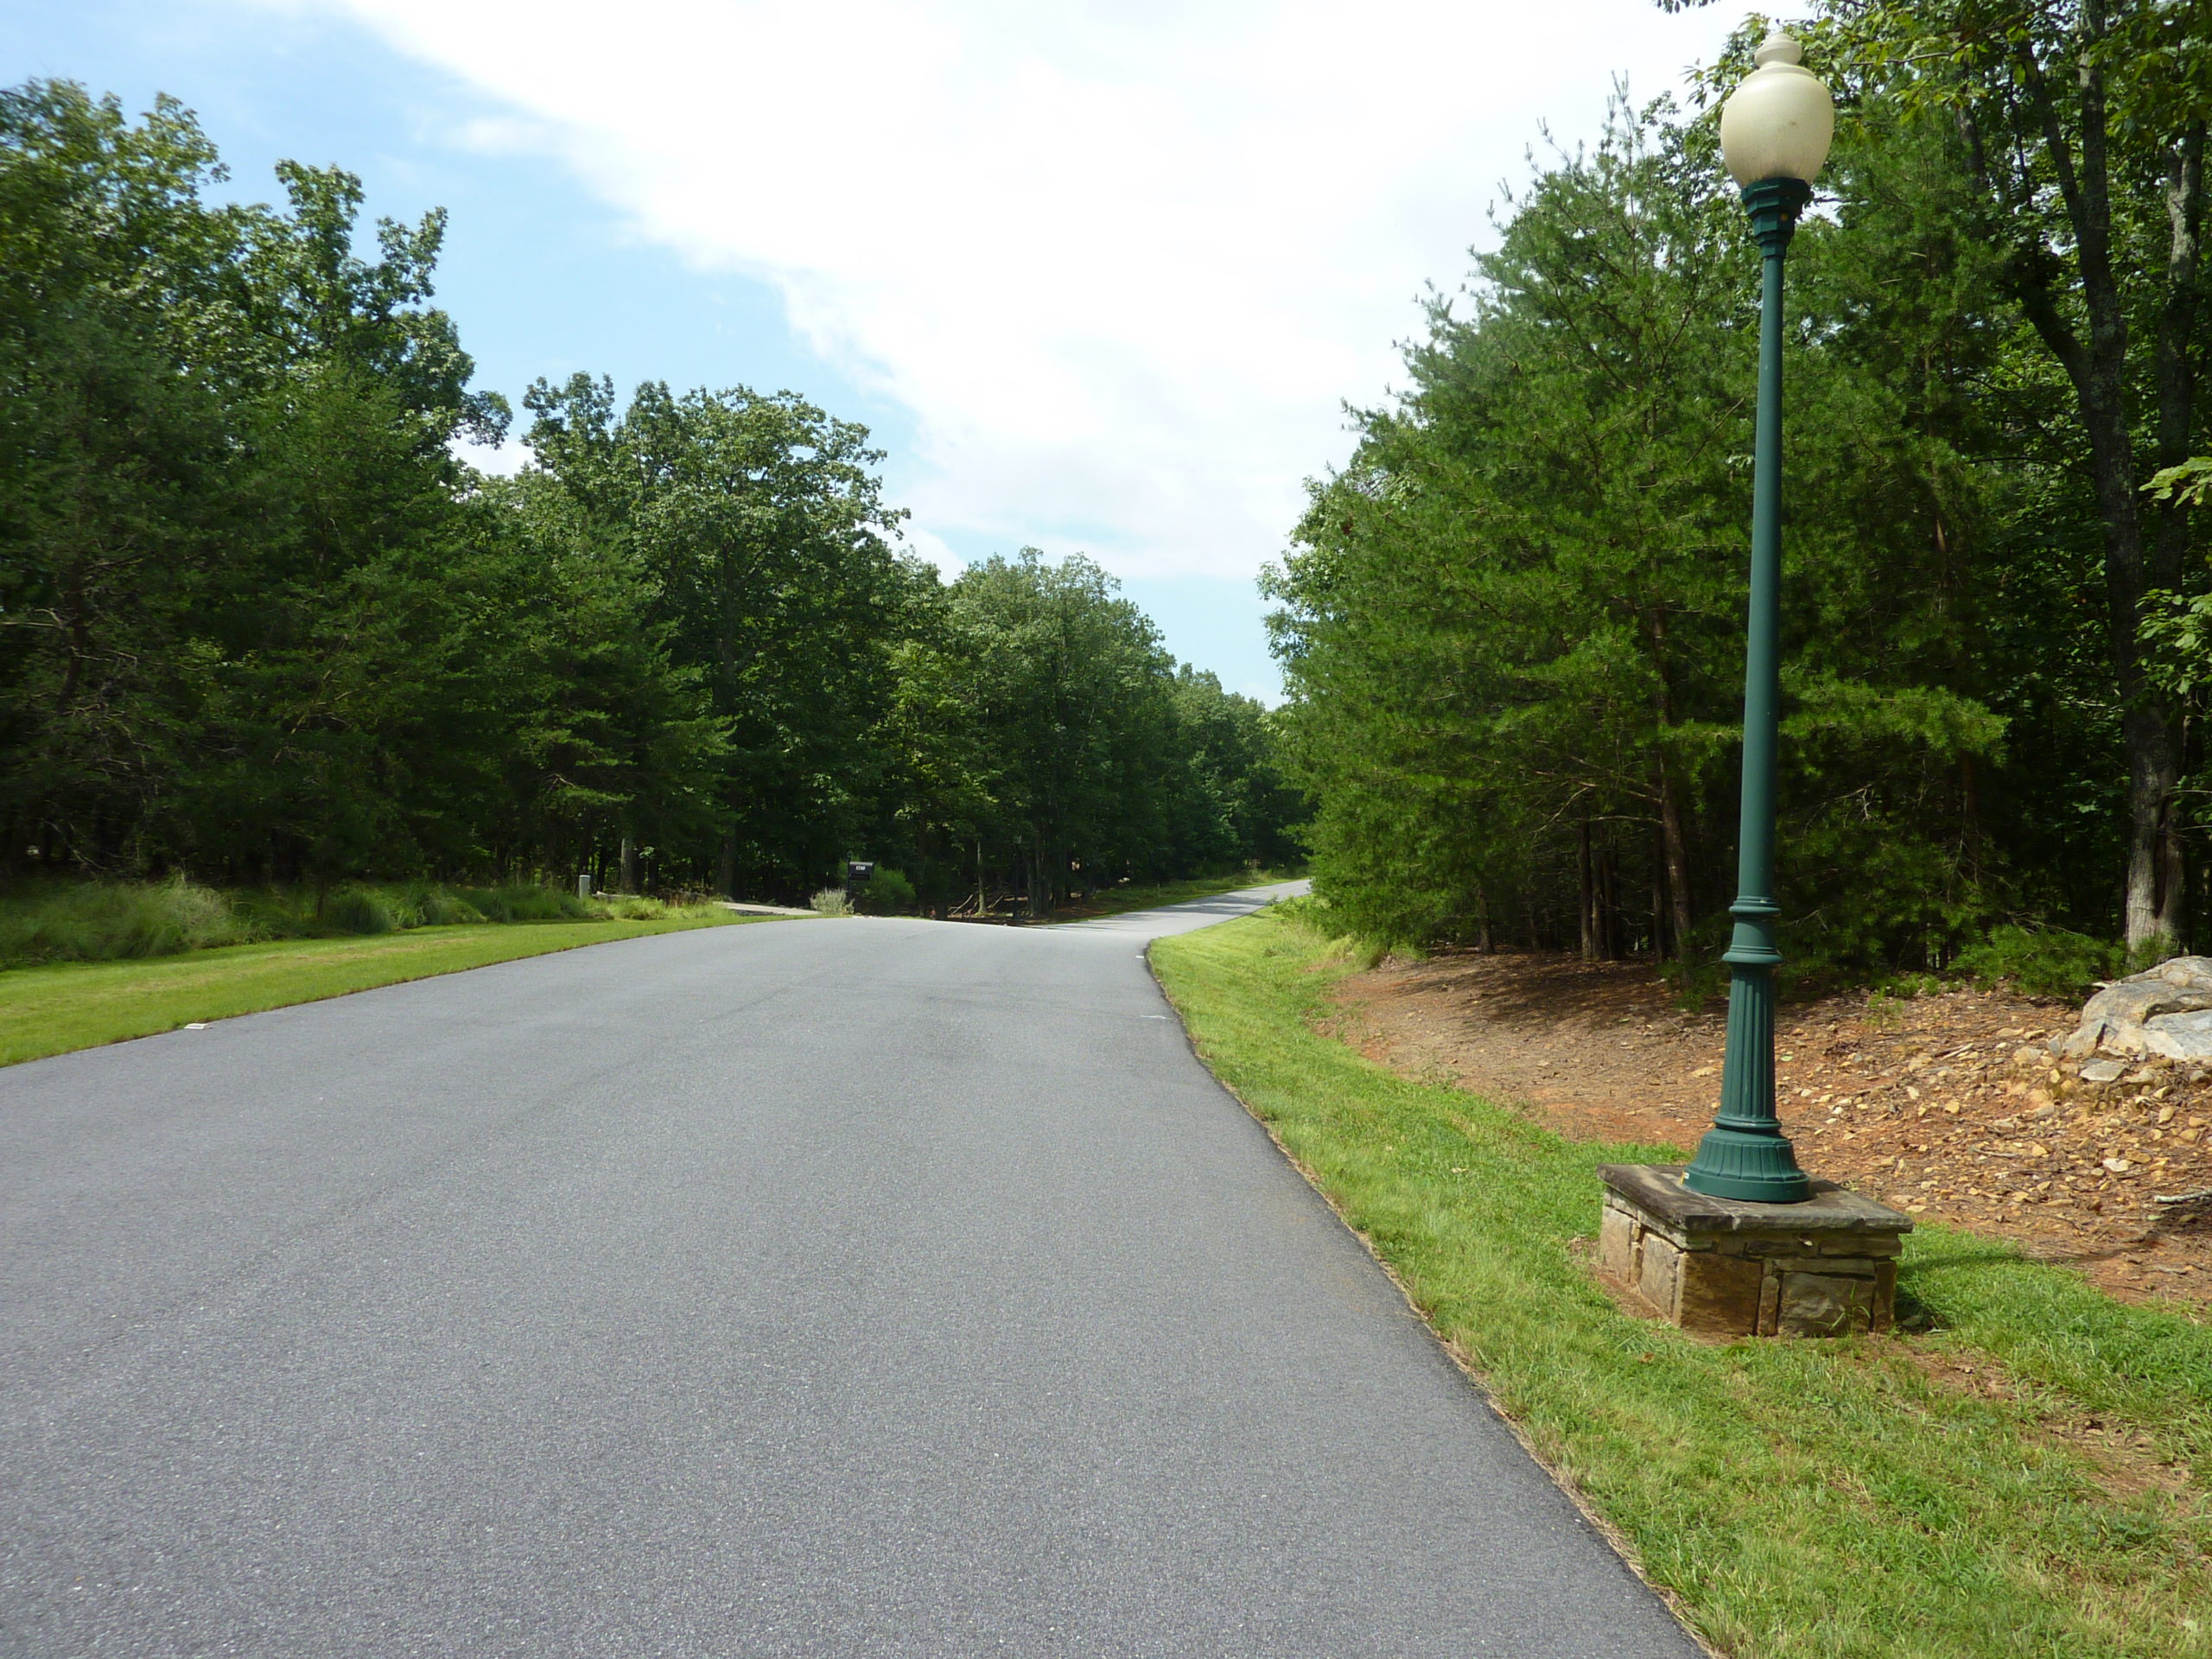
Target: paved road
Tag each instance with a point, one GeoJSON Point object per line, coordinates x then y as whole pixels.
{"type": "Point", "coordinates": [854, 1287]}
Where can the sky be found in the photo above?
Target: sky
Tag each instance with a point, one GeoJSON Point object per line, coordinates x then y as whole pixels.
{"type": "Point", "coordinates": [1100, 276]}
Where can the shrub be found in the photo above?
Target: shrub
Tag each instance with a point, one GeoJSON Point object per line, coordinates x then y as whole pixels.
{"type": "Point", "coordinates": [2042, 962]}
{"type": "Point", "coordinates": [830, 901]}
{"type": "Point", "coordinates": [101, 921]}
{"type": "Point", "coordinates": [888, 893]}
{"type": "Point", "coordinates": [358, 910]}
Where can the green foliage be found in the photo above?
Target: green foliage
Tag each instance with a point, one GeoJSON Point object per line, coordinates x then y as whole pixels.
{"type": "Point", "coordinates": [256, 621]}
{"type": "Point", "coordinates": [830, 901]}
{"type": "Point", "coordinates": [886, 892]}
{"type": "Point", "coordinates": [2081, 128]}
{"type": "Point", "coordinates": [1037, 720]}
{"type": "Point", "coordinates": [2187, 484]}
{"type": "Point", "coordinates": [102, 920]}
{"type": "Point", "coordinates": [1512, 625]}
{"type": "Point", "coordinates": [2042, 962]}
{"type": "Point", "coordinates": [760, 534]}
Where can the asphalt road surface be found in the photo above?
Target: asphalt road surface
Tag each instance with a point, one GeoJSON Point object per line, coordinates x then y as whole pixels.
{"type": "Point", "coordinates": [852, 1288]}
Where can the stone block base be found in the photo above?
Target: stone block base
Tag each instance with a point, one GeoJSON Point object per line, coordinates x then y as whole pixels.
{"type": "Point", "coordinates": [1727, 1267]}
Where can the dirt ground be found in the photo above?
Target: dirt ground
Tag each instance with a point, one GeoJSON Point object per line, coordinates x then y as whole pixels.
{"type": "Point", "coordinates": [1946, 1106]}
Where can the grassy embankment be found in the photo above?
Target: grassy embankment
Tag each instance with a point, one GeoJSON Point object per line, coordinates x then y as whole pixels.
{"type": "Point", "coordinates": [2024, 1473]}
{"type": "Point", "coordinates": [54, 1008]}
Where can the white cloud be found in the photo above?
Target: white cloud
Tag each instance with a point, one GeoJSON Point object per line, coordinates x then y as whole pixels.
{"type": "Point", "coordinates": [1123, 259]}
{"type": "Point", "coordinates": [504, 459]}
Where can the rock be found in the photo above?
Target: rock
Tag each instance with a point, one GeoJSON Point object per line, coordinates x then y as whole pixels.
{"type": "Point", "coordinates": [2135, 1017]}
{"type": "Point", "coordinates": [2103, 1070]}
{"type": "Point", "coordinates": [2189, 973]}
{"type": "Point", "coordinates": [2179, 1036]}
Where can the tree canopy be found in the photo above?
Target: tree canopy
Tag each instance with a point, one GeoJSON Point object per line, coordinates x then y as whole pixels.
{"type": "Point", "coordinates": [258, 623]}
{"type": "Point", "coordinates": [1512, 624]}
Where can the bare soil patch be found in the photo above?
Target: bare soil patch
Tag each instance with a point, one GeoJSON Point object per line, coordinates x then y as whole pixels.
{"type": "Point", "coordinates": [1948, 1106]}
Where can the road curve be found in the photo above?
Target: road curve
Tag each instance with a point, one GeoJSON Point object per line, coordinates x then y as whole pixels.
{"type": "Point", "coordinates": [816, 1287]}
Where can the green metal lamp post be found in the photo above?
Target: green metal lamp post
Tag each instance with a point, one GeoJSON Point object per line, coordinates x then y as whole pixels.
{"type": "Point", "coordinates": [1774, 131]}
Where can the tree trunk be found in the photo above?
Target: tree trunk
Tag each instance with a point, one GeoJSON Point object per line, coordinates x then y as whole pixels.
{"type": "Point", "coordinates": [727, 878]}
{"type": "Point", "coordinates": [630, 883]}
{"type": "Point", "coordinates": [1609, 902]}
{"type": "Point", "coordinates": [1673, 845]}
{"type": "Point", "coordinates": [2176, 384]}
{"type": "Point", "coordinates": [2097, 367]}
{"type": "Point", "coordinates": [1589, 892]}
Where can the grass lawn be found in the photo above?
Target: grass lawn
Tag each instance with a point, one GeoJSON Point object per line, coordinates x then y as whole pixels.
{"type": "Point", "coordinates": [1116, 901]}
{"type": "Point", "coordinates": [52, 1010]}
{"type": "Point", "coordinates": [2023, 1473]}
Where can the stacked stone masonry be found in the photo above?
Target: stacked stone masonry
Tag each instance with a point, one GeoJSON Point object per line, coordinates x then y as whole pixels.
{"type": "Point", "coordinates": [1716, 1267]}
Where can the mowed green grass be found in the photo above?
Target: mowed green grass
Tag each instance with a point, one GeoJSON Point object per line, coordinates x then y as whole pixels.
{"type": "Point", "coordinates": [1799, 1500]}
{"type": "Point", "coordinates": [52, 1010]}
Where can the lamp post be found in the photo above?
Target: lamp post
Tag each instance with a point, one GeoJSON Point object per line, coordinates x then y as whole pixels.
{"type": "Point", "coordinates": [1775, 132]}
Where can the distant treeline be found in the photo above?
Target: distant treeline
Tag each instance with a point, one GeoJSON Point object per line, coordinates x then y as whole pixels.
{"type": "Point", "coordinates": [258, 624]}
{"type": "Point", "coordinates": [1513, 624]}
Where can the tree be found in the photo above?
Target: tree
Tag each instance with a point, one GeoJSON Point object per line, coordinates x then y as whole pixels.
{"type": "Point", "coordinates": [258, 622]}
{"type": "Point", "coordinates": [765, 535]}
{"type": "Point", "coordinates": [1069, 686]}
{"type": "Point", "coordinates": [2084, 122]}
{"type": "Point", "coordinates": [223, 462]}
{"type": "Point", "coordinates": [1512, 626]}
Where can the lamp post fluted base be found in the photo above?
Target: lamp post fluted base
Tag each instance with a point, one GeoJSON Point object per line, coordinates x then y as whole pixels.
{"type": "Point", "coordinates": [1744, 1155]}
{"type": "Point", "coordinates": [1761, 1168]}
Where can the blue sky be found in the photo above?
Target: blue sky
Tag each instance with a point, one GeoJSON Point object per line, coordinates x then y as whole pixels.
{"type": "Point", "coordinates": [1098, 277]}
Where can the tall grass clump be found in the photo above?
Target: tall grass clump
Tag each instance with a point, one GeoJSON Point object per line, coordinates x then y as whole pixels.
{"type": "Point", "coordinates": [525, 903]}
{"type": "Point", "coordinates": [831, 901]}
{"type": "Point", "coordinates": [678, 907]}
{"type": "Point", "coordinates": [358, 910]}
{"type": "Point", "coordinates": [102, 921]}
{"type": "Point", "coordinates": [438, 908]}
